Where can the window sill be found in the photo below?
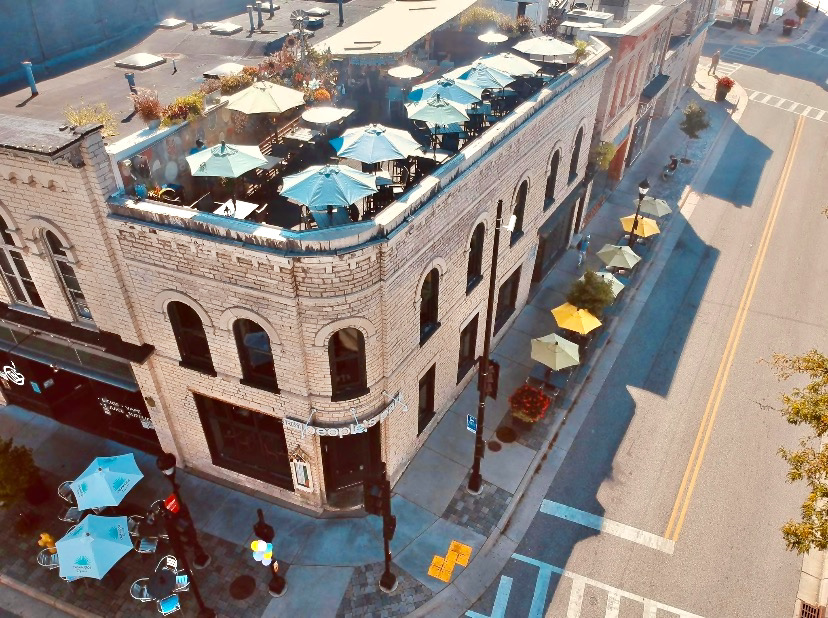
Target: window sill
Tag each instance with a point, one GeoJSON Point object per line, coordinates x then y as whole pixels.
{"type": "Point", "coordinates": [350, 394]}
{"type": "Point", "coordinates": [473, 283]}
{"type": "Point", "coordinates": [500, 320]}
{"type": "Point", "coordinates": [548, 203]}
{"type": "Point", "coordinates": [426, 334]}
{"type": "Point", "coordinates": [41, 313]}
{"type": "Point", "coordinates": [210, 372]}
{"type": "Point", "coordinates": [270, 388]}
{"type": "Point", "coordinates": [463, 370]}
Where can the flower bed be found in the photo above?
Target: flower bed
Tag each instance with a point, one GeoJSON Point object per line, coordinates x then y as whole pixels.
{"type": "Point", "coordinates": [528, 404]}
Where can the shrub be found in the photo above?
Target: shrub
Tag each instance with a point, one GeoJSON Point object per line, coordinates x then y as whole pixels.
{"type": "Point", "coordinates": [593, 294]}
{"type": "Point", "coordinates": [17, 471]}
{"type": "Point", "coordinates": [528, 404]}
{"type": "Point", "coordinates": [695, 120]}
{"type": "Point", "coordinates": [321, 95]}
{"type": "Point", "coordinates": [524, 25]}
{"type": "Point", "coordinates": [174, 113]}
{"type": "Point", "coordinates": [790, 23]}
{"type": "Point", "coordinates": [480, 19]}
{"type": "Point", "coordinates": [725, 82]}
{"type": "Point", "coordinates": [231, 84]}
{"type": "Point", "coordinates": [603, 154]}
{"type": "Point", "coordinates": [581, 50]}
{"type": "Point", "coordinates": [146, 104]}
{"type": "Point", "coordinates": [250, 71]}
{"type": "Point", "coordinates": [802, 9]}
{"type": "Point", "coordinates": [508, 26]}
{"type": "Point", "coordinates": [210, 85]}
{"type": "Point", "coordinates": [194, 102]}
{"type": "Point", "coordinates": [92, 114]}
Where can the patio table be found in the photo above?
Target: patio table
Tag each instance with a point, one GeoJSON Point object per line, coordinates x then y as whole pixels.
{"type": "Point", "coordinates": [243, 209]}
{"type": "Point", "coordinates": [161, 584]}
{"type": "Point", "coordinates": [442, 129]}
{"type": "Point", "coordinates": [548, 377]}
{"type": "Point", "coordinates": [438, 155]}
{"type": "Point", "coordinates": [301, 134]}
{"type": "Point", "coordinates": [480, 109]}
{"type": "Point", "coordinates": [271, 163]}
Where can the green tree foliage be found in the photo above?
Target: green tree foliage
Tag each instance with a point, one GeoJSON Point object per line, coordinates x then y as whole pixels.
{"type": "Point", "coordinates": [807, 405]}
{"type": "Point", "coordinates": [695, 121]}
{"type": "Point", "coordinates": [603, 154]}
{"type": "Point", "coordinates": [17, 471]}
{"type": "Point", "coordinates": [581, 50]}
{"type": "Point", "coordinates": [593, 294]}
{"type": "Point", "coordinates": [802, 9]}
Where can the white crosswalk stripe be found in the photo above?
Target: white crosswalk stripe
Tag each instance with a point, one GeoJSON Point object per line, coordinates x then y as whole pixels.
{"type": "Point", "coordinates": [821, 51]}
{"type": "Point", "coordinates": [786, 105]}
{"type": "Point", "coordinates": [741, 53]}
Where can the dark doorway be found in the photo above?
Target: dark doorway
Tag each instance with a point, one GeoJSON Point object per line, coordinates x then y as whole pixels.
{"type": "Point", "coordinates": [425, 409]}
{"type": "Point", "coordinates": [346, 462]}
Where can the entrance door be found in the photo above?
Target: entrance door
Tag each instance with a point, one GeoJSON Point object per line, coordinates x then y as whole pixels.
{"type": "Point", "coordinates": [347, 461]}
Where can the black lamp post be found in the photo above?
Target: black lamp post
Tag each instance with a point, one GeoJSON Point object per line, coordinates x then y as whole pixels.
{"type": "Point", "coordinates": [264, 531]}
{"type": "Point", "coordinates": [643, 188]}
{"type": "Point", "coordinates": [166, 463]}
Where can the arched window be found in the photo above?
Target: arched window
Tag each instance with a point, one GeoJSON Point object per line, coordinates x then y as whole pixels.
{"type": "Point", "coordinates": [475, 272]}
{"type": "Point", "coordinates": [190, 337]}
{"type": "Point", "coordinates": [346, 355]}
{"type": "Point", "coordinates": [429, 301]}
{"type": "Point", "coordinates": [552, 179]}
{"type": "Point", "coordinates": [576, 153]}
{"type": "Point", "coordinates": [66, 274]}
{"type": "Point", "coordinates": [255, 355]}
{"type": "Point", "coordinates": [15, 274]}
{"type": "Point", "coordinates": [518, 212]}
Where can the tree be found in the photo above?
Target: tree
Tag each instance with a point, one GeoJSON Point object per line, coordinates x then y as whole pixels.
{"type": "Point", "coordinates": [808, 406]}
{"type": "Point", "coordinates": [603, 155]}
{"type": "Point", "coordinates": [695, 121]}
{"type": "Point", "coordinates": [592, 293]}
{"type": "Point", "coordinates": [802, 9]}
{"type": "Point", "coordinates": [17, 471]}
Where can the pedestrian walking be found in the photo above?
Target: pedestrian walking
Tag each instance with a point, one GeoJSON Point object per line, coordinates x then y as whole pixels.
{"type": "Point", "coordinates": [583, 245]}
{"type": "Point", "coordinates": [714, 62]}
{"type": "Point", "coordinates": [175, 68]}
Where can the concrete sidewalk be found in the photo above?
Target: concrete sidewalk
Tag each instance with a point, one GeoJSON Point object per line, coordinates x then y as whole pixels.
{"type": "Point", "coordinates": [430, 501]}
{"type": "Point", "coordinates": [768, 36]}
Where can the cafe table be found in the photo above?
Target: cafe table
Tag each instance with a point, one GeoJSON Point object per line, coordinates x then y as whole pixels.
{"type": "Point", "coordinates": [301, 134]}
{"type": "Point", "coordinates": [242, 211]}
{"type": "Point", "coordinates": [161, 584]}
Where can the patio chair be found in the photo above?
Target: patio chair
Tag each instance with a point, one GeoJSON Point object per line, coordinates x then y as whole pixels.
{"type": "Point", "coordinates": [168, 562]}
{"type": "Point", "coordinates": [46, 558]}
{"type": "Point", "coordinates": [65, 492]}
{"type": "Point", "coordinates": [71, 515]}
{"type": "Point", "coordinates": [182, 583]}
{"type": "Point", "coordinates": [169, 605]}
{"type": "Point", "coordinates": [138, 590]}
{"type": "Point", "coordinates": [133, 523]}
{"type": "Point", "coordinates": [146, 545]}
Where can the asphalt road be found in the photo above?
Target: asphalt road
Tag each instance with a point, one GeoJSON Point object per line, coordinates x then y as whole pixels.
{"type": "Point", "coordinates": [636, 460]}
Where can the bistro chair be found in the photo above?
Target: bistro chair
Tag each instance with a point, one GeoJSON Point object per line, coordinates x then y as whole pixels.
{"type": "Point", "coordinates": [138, 590]}
{"type": "Point", "coordinates": [71, 515]}
{"type": "Point", "coordinates": [133, 524]}
{"type": "Point", "coordinates": [65, 492]}
{"type": "Point", "coordinates": [46, 558]}
{"type": "Point", "coordinates": [182, 583]}
{"type": "Point", "coordinates": [146, 545]}
{"type": "Point", "coordinates": [168, 562]}
{"type": "Point", "coordinates": [169, 605]}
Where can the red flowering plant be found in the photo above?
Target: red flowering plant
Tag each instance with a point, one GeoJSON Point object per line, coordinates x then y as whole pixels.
{"type": "Point", "coordinates": [725, 83]}
{"type": "Point", "coordinates": [528, 404]}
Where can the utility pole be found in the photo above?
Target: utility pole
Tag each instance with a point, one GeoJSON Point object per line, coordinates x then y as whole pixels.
{"type": "Point", "coordinates": [643, 187]}
{"type": "Point", "coordinates": [377, 501]}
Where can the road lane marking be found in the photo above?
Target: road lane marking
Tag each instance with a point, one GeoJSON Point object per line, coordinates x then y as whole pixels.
{"type": "Point", "coordinates": [771, 101]}
{"type": "Point", "coordinates": [691, 473]}
{"type": "Point", "coordinates": [648, 539]}
{"type": "Point", "coordinates": [576, 595]}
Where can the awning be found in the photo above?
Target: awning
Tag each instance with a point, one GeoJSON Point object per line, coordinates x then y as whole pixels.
{"type": "Point", "coordinates": [654, 87]}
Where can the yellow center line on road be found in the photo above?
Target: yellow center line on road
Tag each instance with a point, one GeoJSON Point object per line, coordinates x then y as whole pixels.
{"type": "Point", "coordinates": [691, 473]}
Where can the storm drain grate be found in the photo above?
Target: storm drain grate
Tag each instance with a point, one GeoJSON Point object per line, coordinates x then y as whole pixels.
{"type": "Point", "coordinates": [811, 611]}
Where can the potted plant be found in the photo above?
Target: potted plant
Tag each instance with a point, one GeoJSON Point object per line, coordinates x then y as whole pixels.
{"type": "Point", "coordinates": [723, 86]}
{"type": "Point", "coordinates": [211, 89]}
{"type": "Point", "coordinates": [802, 9]}
{"type": "Point", "coordinates": [787, 26]}
{"type": "Point", "coordinates": [695, 121]}
{"type": "Point", "coordinates": [581, 50]}
{"type": "Point", "coordinates": [147, 106]}
{"type": "Point", "coordinates": [528, 404]}
{"type": "Point", "coordinates": [20, 478]}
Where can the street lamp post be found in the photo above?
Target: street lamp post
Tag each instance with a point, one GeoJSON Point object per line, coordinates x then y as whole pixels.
{"type": "Point", "coordinates": [476, 479]}
{"type": "Point", "coordinates": [264, 531]}
{"type": "Point", "coordinates": [166, 463]}
{"type": "Point", "coordinates": [643, 188]}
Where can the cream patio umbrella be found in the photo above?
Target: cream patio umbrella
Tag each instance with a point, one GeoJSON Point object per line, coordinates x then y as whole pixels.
{"type": "Point", "coordinates": [654, 206]}
{"type": "Point", "coordinates": [555, 352]}
{"type": "Point", "coordinates": [615, 256]}
{"type": "Point", "coordinates": [646, 226]}
{"type": "Point", "coordinates": [266, 98]}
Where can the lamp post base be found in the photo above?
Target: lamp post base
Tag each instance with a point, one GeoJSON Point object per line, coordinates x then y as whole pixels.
{"type": "Point", "coordinates": [206, 613]}
{"type": "Point", "coordinates": [388, 582]}
{"type": "Point", "coordinates": [277, 587]}
{"type": "Point", "coordinates": [475, 485]}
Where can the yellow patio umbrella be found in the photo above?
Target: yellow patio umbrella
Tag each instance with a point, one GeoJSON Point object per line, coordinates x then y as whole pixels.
{"type": "Point", "coordinates": [646, 226]}
{"type": "Point", "coordinates": [555, 352]}
{"type": "Point", "coordinates": [581, 321]}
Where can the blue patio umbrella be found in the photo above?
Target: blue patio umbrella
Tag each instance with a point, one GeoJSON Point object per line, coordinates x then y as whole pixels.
{"type": "Point", "coordinates": [93, 547]}
{"type": "Point", "coordinates": [225, 160]}
{"type": "Point", "coordinates": [328, 185]}
{"type": "Point", "coordinates": [437, 110]}
{"type": "Point", "coordinates": [106, 481]}
{"type": "Point", "coordinates": [456, 90]}
{"type": "Point", "coordinates": [482, 75]}
{"type": "Point", "coordinates": [375, 143]}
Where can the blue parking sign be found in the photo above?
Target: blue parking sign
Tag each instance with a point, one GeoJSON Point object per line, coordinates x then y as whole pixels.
{"type": "Point", "coordinates": [471, 423]}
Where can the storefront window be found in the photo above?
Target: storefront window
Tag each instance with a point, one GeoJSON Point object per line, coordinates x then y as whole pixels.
{"type": "Point", "coordinates": [425, 408]}
{"type": "Point", "coordinates": [15, 273]}
{"type": "Point", "coordinates": [255, 355]}
{"type": "Point", "coordinates": [66, 274]}
{"type": "Point", "coordinates": [468, 349]}
{"type": "Point", "coordinates": [245, 441]}
{"type": "Point", "coordinates": [552, 179]}
{"type": "Point", "coordinates": [576, 153]}
{"type": "Point", "coordinates": [346, 355]}
{"type": "Point", "coordinates": [519, 211]}
{"type": "Point", "coordinates": [190, 337]}
{"type": "Point", "coordinates": [475, 271]}
{"type": "Point", "coordinates": [506, 300]}
{"type": "Point", "coordinates": [429, 299]}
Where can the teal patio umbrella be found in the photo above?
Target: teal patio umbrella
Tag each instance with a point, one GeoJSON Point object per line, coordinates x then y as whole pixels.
{"type": "Point", "coordinates": [482, 75]}
{"type": "Point", "coordinates": [510, 63]}
{"type": "Point", "coordinates": [436, 111]}
{"type": "Point", "coordinates": [93, 547]}
{"type": "Point", "coordinates": [225, 160]}
{"type": "Point", "coordinates": [328, 185]}
{"type": "Point", "coordinates": [106, 481]}
{"type": "Point", "coordinates": [457, 90]}
{"type": "Point", "coordinates": [375, 143]}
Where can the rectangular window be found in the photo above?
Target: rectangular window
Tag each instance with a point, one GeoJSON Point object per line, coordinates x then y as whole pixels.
{"type": "Point", "coordinates": [468, 349]}
{"type": "Point", "coordinates": [506, 300]}
{"type": "Point", "coordinates": [425, 411]}
{"type": "Point", "coordinates": [245, 441]}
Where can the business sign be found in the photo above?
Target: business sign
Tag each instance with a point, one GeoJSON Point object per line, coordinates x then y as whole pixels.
{"type": "Point", "coordinates": [347, 429]}
{"type": "Point", "coordinates": [778, 10]}
{"type": "Point", "coordinates": [111, 407]}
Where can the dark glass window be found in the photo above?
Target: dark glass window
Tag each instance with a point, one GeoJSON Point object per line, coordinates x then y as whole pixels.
{"type": "Point", "coordinates": [506, 300]}
{"type": "Point", "coordinates": [346, 354]}
{"type": "Point", "coordinates": [425, 409]}
{"type": "Point", "coordinates": [576, 153]}
{"type": "Point", "coordinates": [468, 349]}
{"type": "Point", "coordinates": [15, 273]}
{"type": "Point", "coordinates": [247, 442]}
{"type": "Point", "coordinates": [66, 273]}
{"type": "Point", "coordinates": [519, 210]}
{"type": "Point", "coordinates": [190, 337]}
{"type": "Point", "coordinates": [255, 355]}
{"type": "Point", "coordinates": [429, 301]}
{"type": "Point", "coordinates": [475, 272]}
{"type": "Point", "coordinates": [552, 179]}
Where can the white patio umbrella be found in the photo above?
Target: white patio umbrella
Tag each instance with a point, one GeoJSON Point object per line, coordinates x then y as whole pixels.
{"type": "Point", "coordinates": [225, 160]}
{"type": "Point", "coordinates": [93, 547]}
{"type": "Point", "coordinates": [456, 90]}
{"type": "Point", "coordinates": [375, 143]}
{"type": "Point", "coordinates": [106, 481]}
{"type": "Point", "coordinates": [405, 71]}
{"type": "Point", "coordinates": [618, 256]}
{"type": "Point", "coordinates": [492, 38]}
{"type": "Point", "coordinates": [555, 352]}
{"type": "Point", "coordinates": [654, 206]}
{"type": "Point", "coordinates": [482, 75]}
{"type": "Point", "coordinates": [328, 185]}
{"type": "Point", "coordinates": [266, 98]}
{"type": "Point", "coordinates": [615, 284]}
{"type": "Point", "coordinates": [547, 47]}
{"type": "Point", "coordinates": [325, 114]}
{"type": "Point", "coordinates": [511, 64]}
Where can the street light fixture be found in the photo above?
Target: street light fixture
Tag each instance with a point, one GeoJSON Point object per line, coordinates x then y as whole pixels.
{"type": "Point", "coordinates": [165, 462]}
{"type": "Point", "coordinates": [643, 188]}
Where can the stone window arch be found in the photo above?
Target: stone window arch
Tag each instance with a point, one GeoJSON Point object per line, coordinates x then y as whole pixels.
{"type": "Point", "coordinates": [474, 270]}
{"type": "Point", "coordinates": [63, 261]}
{"type": "Point", "coordinates": [552, 178]}
{"type": "Point", "coordinates": [576, 155]}
{"type": "Point", "coordinates": [15, 273]}
{"type": "Point", "coordinates": [190, 337]}
{"type": "Point", "coordinates": [255, 355]}
{"type": "Point", "coordinates": [346, 359]}
{"type": "Point", "coordinates": [519, 210]}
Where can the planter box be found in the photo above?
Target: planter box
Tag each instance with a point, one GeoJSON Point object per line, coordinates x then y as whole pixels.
{"type": "Point", "coordinates": [787, 30]}
{"type": "Point", "coordinates": [721, 93]}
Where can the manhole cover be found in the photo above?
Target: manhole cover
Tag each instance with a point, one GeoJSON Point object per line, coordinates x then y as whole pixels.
{"type": "Point", "coordinates": [506, 434]}
{"type": "Point", "coordinates": [242, 587]}
{"type": "Point", "coordinates": [494, 445]}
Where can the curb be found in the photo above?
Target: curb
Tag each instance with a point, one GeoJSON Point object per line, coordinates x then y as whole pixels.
{"type": "Point", "coordinates": [44, 598]}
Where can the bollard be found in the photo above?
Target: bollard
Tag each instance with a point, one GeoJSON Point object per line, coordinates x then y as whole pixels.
{"type": "Point", "coordinates": [272, 8]}
{"type": "Point", "coordinates": [130, 77]}
{"type": "Point", "coordinates": [195, 23]}
{"type": "Point", "coordinates": [250, 15]}
{"type": "Point", "coordinates": [27, 66]}
{"type": "Point", "coordinates": [259, 11]}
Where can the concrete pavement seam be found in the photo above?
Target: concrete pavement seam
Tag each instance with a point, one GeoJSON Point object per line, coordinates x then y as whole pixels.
{"type": "Point", "coordinates": [44, 598]}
